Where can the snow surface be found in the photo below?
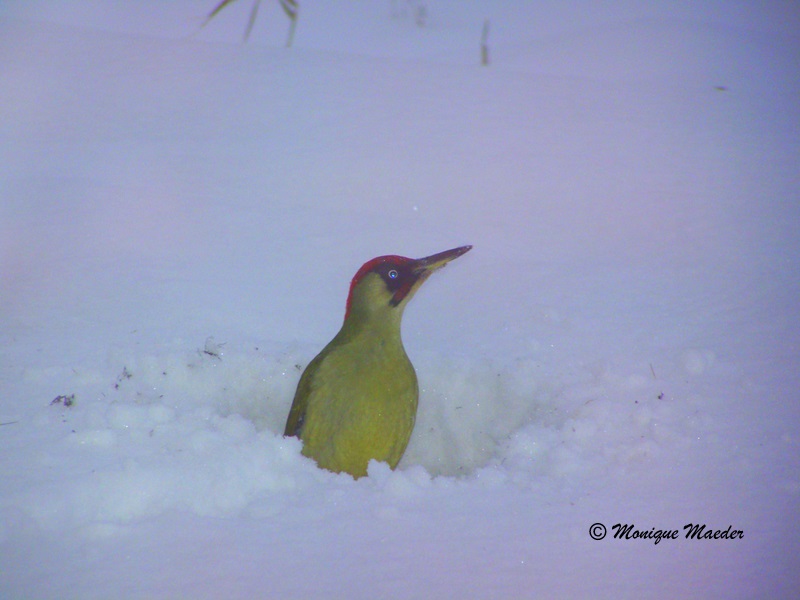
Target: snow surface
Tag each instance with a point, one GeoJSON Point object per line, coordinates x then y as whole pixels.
{"type": "Point", "coordinates": [180, 215]}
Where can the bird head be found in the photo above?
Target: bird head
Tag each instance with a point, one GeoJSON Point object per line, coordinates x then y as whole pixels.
{"type": "Point", "coordinates": [385, 284]}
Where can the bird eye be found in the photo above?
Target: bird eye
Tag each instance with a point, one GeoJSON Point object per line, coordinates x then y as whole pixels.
{"type": "Point", "coordinates": [393, 274]}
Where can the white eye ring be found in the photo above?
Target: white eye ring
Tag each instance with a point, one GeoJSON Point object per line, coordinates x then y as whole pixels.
{"type": "Point", "coordinates": [393, 274]}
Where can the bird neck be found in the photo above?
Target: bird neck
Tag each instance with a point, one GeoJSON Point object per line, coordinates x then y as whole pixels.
{"type": "Point", "coordinates": [370, 312]}
{"type": "Point", "coordinates": [382, 324]}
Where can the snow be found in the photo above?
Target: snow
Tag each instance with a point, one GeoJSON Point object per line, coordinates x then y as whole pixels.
{"type": "Point", "coordinates": [180, 217]}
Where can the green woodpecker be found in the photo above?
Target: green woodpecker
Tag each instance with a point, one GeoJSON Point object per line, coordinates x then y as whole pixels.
{"type": "Point", "coordinates": [357, 400]}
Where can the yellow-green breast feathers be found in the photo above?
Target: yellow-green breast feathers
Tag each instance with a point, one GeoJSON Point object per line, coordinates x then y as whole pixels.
{"type": "Point", "coordinates": [355, 401]}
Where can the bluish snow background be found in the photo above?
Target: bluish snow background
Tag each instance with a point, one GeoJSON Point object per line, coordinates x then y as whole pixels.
{"type": "Point", "coordinates": [620, 346]}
